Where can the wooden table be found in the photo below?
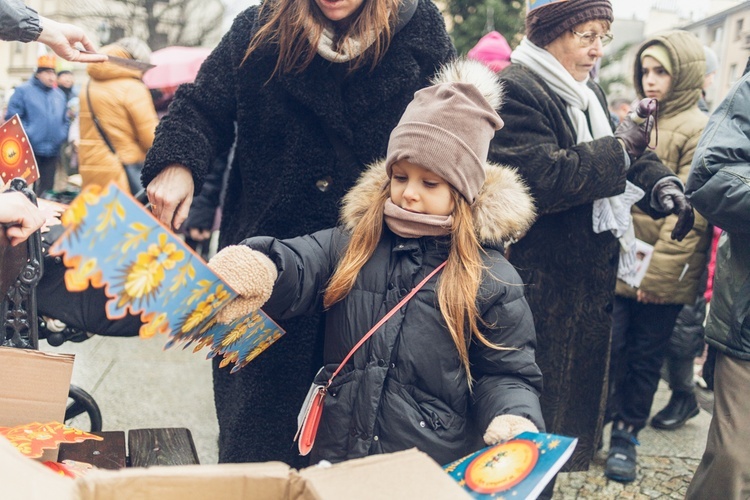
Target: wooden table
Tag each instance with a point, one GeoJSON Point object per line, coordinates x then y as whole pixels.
{"type": "Point", "coordinates": [145, 448]}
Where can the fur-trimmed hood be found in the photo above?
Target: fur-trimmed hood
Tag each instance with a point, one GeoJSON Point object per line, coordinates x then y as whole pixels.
{"type": "Point", "coordinates": [503, 209]}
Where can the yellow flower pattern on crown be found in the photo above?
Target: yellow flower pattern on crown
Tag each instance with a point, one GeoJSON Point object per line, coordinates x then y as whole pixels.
{"type": "Point", "coordinates": [77, 210]}
{"type": "Point", "coordinates": [204, 309]}
{"type": "Point", "coordinates": [153, 324]}
{"type": "Point", "coordinates": [111, 241]}
{"type": "Point", "coordinates": [147, 273]}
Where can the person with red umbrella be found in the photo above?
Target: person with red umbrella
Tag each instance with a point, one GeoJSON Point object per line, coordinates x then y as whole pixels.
{"type": "Point", "coordinates": [174, 66]}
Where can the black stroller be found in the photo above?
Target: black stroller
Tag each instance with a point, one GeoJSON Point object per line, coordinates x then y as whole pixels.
{"type": "Point", "coordinates": [36, 305]}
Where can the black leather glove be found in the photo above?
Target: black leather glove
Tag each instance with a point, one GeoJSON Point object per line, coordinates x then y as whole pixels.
{"type": "Point", "coordinates": [634, 137]}
{"type": "Point", "coordinates": [673, 200]}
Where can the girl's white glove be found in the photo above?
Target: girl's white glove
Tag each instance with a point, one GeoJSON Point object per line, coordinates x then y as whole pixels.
{"type": "Point", "coordinates": [504, 427]}
{"type": "Point", "coordinates": [250, 273]}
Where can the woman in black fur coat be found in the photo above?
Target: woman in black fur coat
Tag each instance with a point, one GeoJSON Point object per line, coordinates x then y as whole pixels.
{"type": "Point", "coordinates": [314, 102]}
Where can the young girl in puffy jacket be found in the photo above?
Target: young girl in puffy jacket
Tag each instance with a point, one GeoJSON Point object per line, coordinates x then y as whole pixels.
{"type": "Point", "coordinates": [453, 369]}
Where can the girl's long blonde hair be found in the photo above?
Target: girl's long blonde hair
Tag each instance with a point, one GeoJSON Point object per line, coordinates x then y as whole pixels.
{"type": "Point", "coordinates": [295, 27]}
{"type": "Point", "coordinates": [458, 284]}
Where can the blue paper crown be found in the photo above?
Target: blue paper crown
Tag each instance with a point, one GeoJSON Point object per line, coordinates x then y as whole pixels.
{"type": "Point", "coordinates": [533, 4]}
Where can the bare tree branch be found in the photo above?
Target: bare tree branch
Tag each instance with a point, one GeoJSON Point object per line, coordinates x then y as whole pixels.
{"type": "Point", "coordinates": [159, 22]}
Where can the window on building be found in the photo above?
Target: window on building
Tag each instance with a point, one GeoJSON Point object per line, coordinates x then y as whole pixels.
{"type": "Point", "coordinates": [717, 34]}
{"type": "Point", "coordinates": [732, 73]}
{"type": "Point", "coordinates": [738, 31]}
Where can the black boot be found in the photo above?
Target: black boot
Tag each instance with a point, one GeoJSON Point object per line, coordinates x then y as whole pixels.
{"type": "Point", "coordinates": [682, 406]}
{"type": "Point", "coordinates": [621, 460]}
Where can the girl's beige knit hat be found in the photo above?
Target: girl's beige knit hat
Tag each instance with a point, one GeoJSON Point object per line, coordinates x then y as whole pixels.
{"type": "Point", "coordinates": [447, 127]}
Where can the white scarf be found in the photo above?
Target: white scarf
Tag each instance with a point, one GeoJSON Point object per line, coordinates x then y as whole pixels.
{"type": "Point", "coordinates": [610, 214]}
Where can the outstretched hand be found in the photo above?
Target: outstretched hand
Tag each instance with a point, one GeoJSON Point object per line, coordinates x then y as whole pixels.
{"type": "Point", "coordinates": [250, 273]}
{"type": "Point", "coordinates": [171, 194]}
{"type": "Point", "coordinates": [20, 217]}
{"type": "Point", "coordinates": [504, 427]}
{"type": "Point", "coordinates": [673, 200]}
{"type": "Point", "coordinates": [64, 39]}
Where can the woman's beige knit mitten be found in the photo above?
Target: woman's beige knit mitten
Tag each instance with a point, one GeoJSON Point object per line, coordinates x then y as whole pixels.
{"type": "Point", "coordinates": [504, 427]}
{"type": "Point", "coordinates": [250, 273]}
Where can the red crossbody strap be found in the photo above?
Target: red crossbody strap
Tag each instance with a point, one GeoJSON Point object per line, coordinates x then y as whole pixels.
{"type": "Point", "coordinates": [384, 319]}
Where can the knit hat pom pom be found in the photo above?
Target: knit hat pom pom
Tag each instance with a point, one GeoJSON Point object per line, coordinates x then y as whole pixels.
{"type": "Point", "coordinates": [475, 73]}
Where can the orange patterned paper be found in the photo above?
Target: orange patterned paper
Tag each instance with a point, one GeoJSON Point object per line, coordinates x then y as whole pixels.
{"type": "Point", "coordinates": [32, 439]}
{"type": "Point", "coordinates": [16, 156]}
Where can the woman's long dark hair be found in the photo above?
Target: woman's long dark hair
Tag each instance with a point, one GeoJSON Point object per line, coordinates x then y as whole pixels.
{"type": "Point", "coordinates": [295, 27]}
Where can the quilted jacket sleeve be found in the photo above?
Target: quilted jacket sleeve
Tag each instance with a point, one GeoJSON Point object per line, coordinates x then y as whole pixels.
{"type": "Point", "coordinates": [304, 265]}
{"type": "Point", "coordinates": [507, 380]}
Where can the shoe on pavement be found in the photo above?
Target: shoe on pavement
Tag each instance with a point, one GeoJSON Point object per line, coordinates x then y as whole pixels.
{"type": "Point", "coordinates": [682, 407]}
{"type": "Point", "coordinates": [621, 460]}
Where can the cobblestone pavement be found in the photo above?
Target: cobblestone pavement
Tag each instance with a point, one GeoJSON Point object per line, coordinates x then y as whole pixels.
{"type": "Point", "coordinates": [658, 477]}
{"type": "Point", "coordinates": [666, 461]}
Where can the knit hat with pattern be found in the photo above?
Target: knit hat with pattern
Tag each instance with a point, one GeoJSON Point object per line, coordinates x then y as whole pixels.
{"type": "Point", "coordinates": [548, 19]}
{"type": "Point", "coordinates": [448, 127]}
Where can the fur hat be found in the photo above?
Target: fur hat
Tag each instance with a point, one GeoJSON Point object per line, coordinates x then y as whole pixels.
{"type": "Point", "coordinates": [493, 50]}
{"type": "Point", "coordinates": [548, 19]}
{"type": "Point", "coordinates": [447, 127]}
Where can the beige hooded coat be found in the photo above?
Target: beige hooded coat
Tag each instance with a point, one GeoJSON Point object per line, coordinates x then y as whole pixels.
{"type": "Point", "coordinates": [676, 266]}
{"type": "Point", "coordinates": [124, 107]}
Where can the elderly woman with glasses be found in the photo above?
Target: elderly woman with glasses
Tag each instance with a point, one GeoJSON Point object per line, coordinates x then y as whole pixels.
{"type": "Point", "coordinates": [584, 177]}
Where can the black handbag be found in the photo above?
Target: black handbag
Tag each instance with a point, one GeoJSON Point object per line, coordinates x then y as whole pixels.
{"type": "Point", "coordinates": [132, 170]}
{"type": "Point", "coordinates": [133, 173]}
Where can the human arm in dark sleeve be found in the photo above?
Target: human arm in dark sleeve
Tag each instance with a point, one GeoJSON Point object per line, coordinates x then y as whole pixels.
{"type": "Point", "coordinates": [508, 380]}
{"type": "Point", "coordinates": [719, 180]}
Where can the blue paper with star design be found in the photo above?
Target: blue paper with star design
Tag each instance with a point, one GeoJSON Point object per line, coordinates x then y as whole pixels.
{"type": "Point", "coordinates": [516, 469]}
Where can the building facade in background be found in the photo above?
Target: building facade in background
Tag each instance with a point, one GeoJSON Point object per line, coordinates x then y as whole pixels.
{"type": "Point", "coordinates": [728, 34]}
{"type": "Point", "coordinates": [193, 22]}
{"type": "Point", "coordinates": [726, 30]}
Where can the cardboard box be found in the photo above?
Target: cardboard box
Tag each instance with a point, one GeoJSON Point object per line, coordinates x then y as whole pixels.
{"type": "Point", "coordinates": [406, 475]}
{"type": "Point", "coordinates": [34, 388]}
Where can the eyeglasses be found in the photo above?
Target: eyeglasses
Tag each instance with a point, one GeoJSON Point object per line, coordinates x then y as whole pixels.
{"type": "Point", "coordinates": [589, 38]}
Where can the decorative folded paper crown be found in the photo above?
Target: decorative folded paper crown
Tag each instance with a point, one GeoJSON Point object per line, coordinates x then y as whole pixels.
{"type": "Point", "coordinates": [46, 61]}
{"type": "Point", "coordinates": [533, 4]}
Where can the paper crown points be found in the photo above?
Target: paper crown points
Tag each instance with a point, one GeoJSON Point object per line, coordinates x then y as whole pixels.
{"type": "Point", "coordinates": [534, 4]}
{"type": "Point", "coordinates": [46, 61]}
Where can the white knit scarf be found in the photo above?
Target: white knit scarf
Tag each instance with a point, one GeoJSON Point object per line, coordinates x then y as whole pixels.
{"type": "Point", "coordinates": [610, 214]}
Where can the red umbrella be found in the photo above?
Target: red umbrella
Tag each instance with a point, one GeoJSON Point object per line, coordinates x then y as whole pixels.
{"type": "Point", "coordinates": [174, 66]}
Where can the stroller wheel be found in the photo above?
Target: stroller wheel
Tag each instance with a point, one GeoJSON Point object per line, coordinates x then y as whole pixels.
{"type": "Point", "coordinates": [80, 405]}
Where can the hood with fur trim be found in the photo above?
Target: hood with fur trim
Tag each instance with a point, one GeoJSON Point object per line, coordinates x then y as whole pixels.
{"type": "Point", "coordinates": [503, 210]}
